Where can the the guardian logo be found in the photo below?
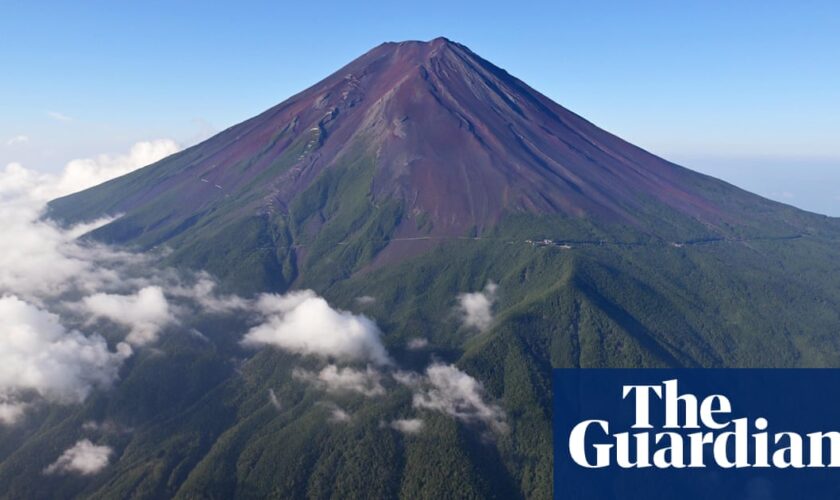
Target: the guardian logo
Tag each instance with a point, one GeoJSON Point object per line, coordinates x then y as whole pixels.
{"type": "Point", "coordinates": [695, 431]}
{"type": "Point", "coordinates": [696, 434]}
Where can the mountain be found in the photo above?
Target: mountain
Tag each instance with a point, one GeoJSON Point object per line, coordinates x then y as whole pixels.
{"type": "Point", "coordinates": [409, 145]}
{"type": "Point", "coordinates": [418, 172]}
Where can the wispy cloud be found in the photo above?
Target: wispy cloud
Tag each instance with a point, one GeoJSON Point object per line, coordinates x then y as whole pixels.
{"type": "Point", "coordinates": [55, 115]}
{"type": "Point", "coordinates": [11, 411]}
{"type": "Point", "coordinates": [417, 344]}
{"type": "Point", "coordinates": [334, 379]}
{"type": "Point", "coordinates": [336, 414]}
{"type": "Point", "coordinates": [339, 416]}
{"type": "Point", "coordinates": [447, 389]}
{"type": "Point", "coordinates": [407, 425]}
{"type": "Point", "coordinates": [274, 400]}
{"type": "Point", "coordinates": [84, 458]}
{"type": "Point", "coordinates": [18, 139]}
{"type": "Point", "coordinates": [365, 300]}
{"type": "Point", "coordinates": [106, 426]}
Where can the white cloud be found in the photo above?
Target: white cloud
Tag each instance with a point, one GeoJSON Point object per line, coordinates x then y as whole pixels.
{"type": "Point", "coordinates": [81, 173]}
{"type": "Point", "coordinates": [41, 264]}
{"type": "Point", "coordinates": [11, 411]}
{"type": "Point", "coordinates": [417, 343]}
{"type": "Point", "coordinates": [274, 400]}
{"type": "Point", "coordinates": [411, 379]}
{"type": "Point", "coordinates": [18, 139]}
{"type": "Point", "coordinates": [37, 257]}
{"type": "Point", "coordinates": [408, 425]}
{"type": "Point", "coordinates": [84, 458]}
{"type": "Point", "coordinates": [336, 415]}
{"type": "Point", "coordinates": [477, 307]}
{"type": "Point", "coordinates": [55, 115]}
{"type": "Point", "coordinates": [107, 426]}
{"type": "Point", "coordinates": [304, 323]}
{"type": "Point", "coordinates": [45, 269]}
{"type": "Point", "coordinates": [447, 389]}
{"type": "Point", "coordinates": [37, 354]}
{"type": "Point", "coordinates": [365, 300]}
{"type": "Point", "coordinates": [203, 292]}
{"type": "Point", "coordinates": [334, 379]}
{"type": "Point", "coordinates": [145, 312]}
{"type": "Point", "coordinates": [88, 172]}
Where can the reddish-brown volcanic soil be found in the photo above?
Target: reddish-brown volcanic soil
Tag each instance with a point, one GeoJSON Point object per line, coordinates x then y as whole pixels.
{"type": "Point", "coordinates": [461, 140]}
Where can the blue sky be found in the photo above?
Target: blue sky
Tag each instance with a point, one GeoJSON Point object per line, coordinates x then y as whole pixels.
{"type": "Point", "coordinates": [746, 91]}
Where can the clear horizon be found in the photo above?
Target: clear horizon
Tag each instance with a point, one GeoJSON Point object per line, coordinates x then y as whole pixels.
{"type": "Point", "coordinates": [749, 93]}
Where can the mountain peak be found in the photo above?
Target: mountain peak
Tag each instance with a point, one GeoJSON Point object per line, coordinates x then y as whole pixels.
{"type": "Point", "coordinates": [432, 44]}
{"type": "Point", "coordinates": [407, 54]}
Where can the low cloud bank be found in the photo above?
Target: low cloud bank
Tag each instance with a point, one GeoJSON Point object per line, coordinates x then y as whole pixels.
{"type": "Point", "coordinates": [39, 259]}
{"type": "Point", "coordinates": [57, 292]}
{"type": "Point", "coordinates": [85, 172]}
{"type": "Point", "coordinates": [41, 264]}
{"type": "Point", "coordinates": [39, 355]}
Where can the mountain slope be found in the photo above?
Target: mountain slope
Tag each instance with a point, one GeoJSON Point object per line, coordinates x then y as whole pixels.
{"type": "Point", "coordinates": [418, 172]}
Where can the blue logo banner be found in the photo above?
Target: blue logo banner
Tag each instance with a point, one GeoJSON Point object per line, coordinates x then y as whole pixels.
{"type": "Point", "coordinates": [696, 434]}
